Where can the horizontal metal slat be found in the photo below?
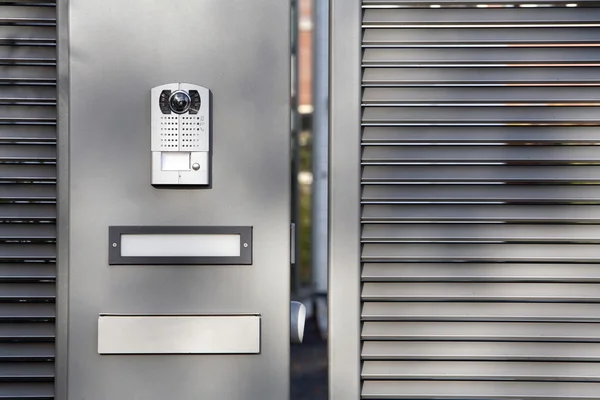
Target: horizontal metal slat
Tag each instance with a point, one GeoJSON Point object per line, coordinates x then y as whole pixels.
{"type": "Point", "coordinates": [27, 291]}
{"type": "Point", "coordinates": [16, 10]}
{"type": "Point", "coordinates": [481, 291]}
{"type": "Point", "coordinates": [39, 152]}
{"type": "Point", "coordinates": [482, 331]}
{"type": "Point", "coordinates": [484, 153]}
{"type": "Point", "coordinates": [26, 372]}
{"type": "Point", "coordinates": [16, 192]}
{"type": "Point", "coordinates": [19, 94]}
{"type": "Point", "coordinates": [27, 172]}
{"type": "Point", "coordinates": [502, 55]}
{"type": "Point", "coordinates": [31, 71]}
{"type": "Point", "coordinates": [24, 101]}
{"type": "Point", "coordinates": [517, 114]}
{"type": "Point", "coordinates": [486, 371]}
{"type": "Point", "coordinates": [426, 390]}
{"type": "Point", "coordinates": [40, 32]}
{"type": "Point", "coordinates": [26, 332]}
{"type": "Point", "coordinates": [472, 213]}
{"type": "Point", "coordinates": [467, 3]}
{"type": "Point", "coordinates": [28, 62]}
{"type": "Point", "coordinates": [480, 252]}
{"type": "Point", "coordinates": [33, 251]}
{"type": "Point", "coordinates": [26, 351]}
{"type": "Point", "coordinates": [27, 21]}
{"type": "Point", "coordinates": [479, 272]}
{"type": "Point", "coordinates": [480, 193]}
{"type": "Point", "coordinates": [492, 15]}
{"type": "Point", "coordinates": [508, 94]}
{"type": "Point", "coordinates": [28, 309]}
{"type": "Point", "coordinates": [478, 312]}
{"type": "Point", "coordinates": [27, 231]}
{"type": "Point", "coordinates": [37, 51]}
{"type": "Point", "coordinates": [29, 112]}
{"type": "Point", "coordinates": [453, 232]}
{"type": "Point", "coordinates": [27, 212]}
{"type": "Point", "coordinates": [481, 76]}
{"type": "Point", "coordinates": [28, 133]}
{"type": "Point", "coordinates": [477, 36]}
{"type": "Point", "coordinates": [27, 390]}
{"type": "Point", "coordinates": [27, 272]}
{"type": "Point", "coordinates": [482, 173]}
{"type": "Point", "coordinates": [506, 134]}
{"type": "Point", "coordinates": [28, 42]}
{"type": "Point", "coordinates": [490, 351]}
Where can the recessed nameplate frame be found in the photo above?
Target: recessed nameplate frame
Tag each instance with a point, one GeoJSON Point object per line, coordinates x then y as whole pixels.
{"type": "Point", "coordinates": [180, 245]}
{"type": "Point", "coordinates": [179, 334]}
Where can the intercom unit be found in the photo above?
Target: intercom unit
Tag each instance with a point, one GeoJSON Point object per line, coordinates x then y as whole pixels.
{"type": "Point", "coordinates": [181, 137]}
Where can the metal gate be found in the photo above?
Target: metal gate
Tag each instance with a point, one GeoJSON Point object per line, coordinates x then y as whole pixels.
{"type": "Point", "coordinates": [27, 198]}
{"type": "Point", "coordinates": [473, 131]}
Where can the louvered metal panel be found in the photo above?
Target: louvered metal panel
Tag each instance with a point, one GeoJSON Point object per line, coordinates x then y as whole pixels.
{"type": "Point", "coordinates": [480, 195]}
{"type": "Point", "coordinates": [27, 198]}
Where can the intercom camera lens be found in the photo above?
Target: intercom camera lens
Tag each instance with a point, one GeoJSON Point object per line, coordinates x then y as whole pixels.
{"type": "Point", "coordinates": [179, 102]}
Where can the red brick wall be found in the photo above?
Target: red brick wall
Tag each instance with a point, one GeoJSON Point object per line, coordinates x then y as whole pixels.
{"type": "Point", "coordinates": [305, 55]}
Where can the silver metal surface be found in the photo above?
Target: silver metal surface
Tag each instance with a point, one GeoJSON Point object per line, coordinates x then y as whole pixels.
{"type": "Point", "coordinates": [344, 197]}
{"type": "Point", "coordinates": [112, 67]}
{"type": "Point", "coordinates": [184, 133]}
{"type": "Point", "coordinates": [297, 320]}
{"type": "Point", "coordinates": [62, 256]}
{"type": "Point", "coordinates": [320, 152]}
{"type": "Point", "coordinates": [179, 334]}
{"type": "Point", "coordinates": [479, 196]}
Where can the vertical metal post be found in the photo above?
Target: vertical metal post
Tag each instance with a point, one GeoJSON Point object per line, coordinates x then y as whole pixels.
{"type": "Point", "coordinates": [320, 160]}
{"type": "Point", "coordinates": [295, 132]}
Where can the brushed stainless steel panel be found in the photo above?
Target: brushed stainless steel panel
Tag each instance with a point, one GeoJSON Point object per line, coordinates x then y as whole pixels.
{"type": "Point", "coordinates": [118, 51]}
{"type": "Point", "coordinates": [176, 334]}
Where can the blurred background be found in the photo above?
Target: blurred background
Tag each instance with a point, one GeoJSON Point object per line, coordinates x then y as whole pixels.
{"type": "Point", "coordinates": [309, 205]}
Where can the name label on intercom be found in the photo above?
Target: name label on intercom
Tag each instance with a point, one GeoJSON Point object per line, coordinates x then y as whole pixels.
{"type": "Point", "coordinates": [181, 137]}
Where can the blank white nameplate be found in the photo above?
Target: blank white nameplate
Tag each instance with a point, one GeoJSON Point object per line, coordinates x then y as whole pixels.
{"type": "Point", "coordinates": [180, 245]}
{"type": "Point", "coordinates": [189, 245]}
{"type": "Point", "coordinates": [178, 334]}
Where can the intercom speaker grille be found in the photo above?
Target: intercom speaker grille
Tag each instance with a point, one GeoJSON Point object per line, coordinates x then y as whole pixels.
{"type": "Point", "coordinates": [169, 138]}
{"type": "Point", "coordinates": [192, 127]}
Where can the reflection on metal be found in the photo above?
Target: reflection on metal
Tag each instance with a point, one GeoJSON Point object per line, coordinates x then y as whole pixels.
{"type": "Point", "coordinates": [479, 199]}
{"type": "Point", "coordinates": [320, 161]}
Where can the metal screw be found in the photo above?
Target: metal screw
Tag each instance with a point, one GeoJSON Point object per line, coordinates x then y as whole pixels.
{"type": "Point", "coordinates": [245, 244]}
{"type": "Point", "coordinates": [114, 245]}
